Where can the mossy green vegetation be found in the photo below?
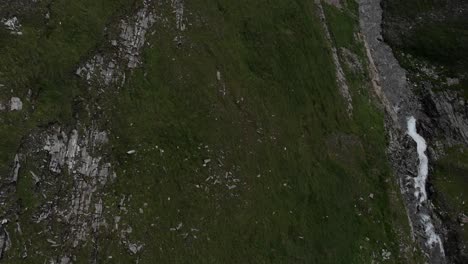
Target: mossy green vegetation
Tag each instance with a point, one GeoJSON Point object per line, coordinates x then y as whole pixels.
{"type": "Point", "coordinates": [245, 152]}
{"type": "Point", "coordinates": [291, 174]}
{"type": "Point", "coordinates": [450, 179]}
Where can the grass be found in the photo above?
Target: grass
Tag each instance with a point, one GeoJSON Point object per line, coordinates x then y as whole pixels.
{"type": "Point", "coordinates": [451, 181]}
{"type": "Point", "coordinates": [290, 172]}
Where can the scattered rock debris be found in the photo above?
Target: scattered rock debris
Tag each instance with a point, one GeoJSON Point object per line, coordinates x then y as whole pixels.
{"type": "Point", "coordinates": [386, 254]}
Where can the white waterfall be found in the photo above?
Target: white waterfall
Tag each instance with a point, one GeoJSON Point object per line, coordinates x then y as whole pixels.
{"type": "Point", "coordinates": [420, 181]}
{"type": "Point", "coordinates": [433, 239]}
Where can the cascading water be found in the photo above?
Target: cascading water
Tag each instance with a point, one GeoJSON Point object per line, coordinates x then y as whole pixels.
{"type": "Point", "coordinates": [433, 239]}
{"type": "Point", "coordinates": [420, 181]}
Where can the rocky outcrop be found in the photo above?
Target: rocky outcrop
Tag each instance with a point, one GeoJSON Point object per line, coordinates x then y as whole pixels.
{"type": "Point", "coordinates": [67, 155]}
{"type": "Point", "coordinates": [446, 126]}
{"type": "Point", "coordinates": [68, 166]}
{"type": "Point", "coordinates": [178, 6]}
{"type": "Point", "coordinates": [132, 35]}
{"type": "Point", "coordinates": [108, 69]}
{"type": "Point", "coordinates": [13, 25]}
{"type": "Point", "coordinates": [447, 111]}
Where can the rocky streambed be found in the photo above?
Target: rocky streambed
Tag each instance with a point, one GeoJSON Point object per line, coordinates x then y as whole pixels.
{"type": "Point", "coordinates": [440, 118]}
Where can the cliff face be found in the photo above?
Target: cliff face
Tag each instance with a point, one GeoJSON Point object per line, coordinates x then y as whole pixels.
{"type": "Point", "coordinates": [431, 87]}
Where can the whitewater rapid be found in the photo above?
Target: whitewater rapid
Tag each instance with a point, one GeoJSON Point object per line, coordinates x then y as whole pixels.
{"type": "Point", "coordinates": [433, 239]}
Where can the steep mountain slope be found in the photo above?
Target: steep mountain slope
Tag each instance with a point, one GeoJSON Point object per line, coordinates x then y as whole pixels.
{"type": "Point", "coordinates": [171, 131]}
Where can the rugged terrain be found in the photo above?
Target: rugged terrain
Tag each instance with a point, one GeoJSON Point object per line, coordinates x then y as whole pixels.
{"type": "Point", "coordinates": [172, 131]}
{"type": "Point", "coordinates": [430, 40]}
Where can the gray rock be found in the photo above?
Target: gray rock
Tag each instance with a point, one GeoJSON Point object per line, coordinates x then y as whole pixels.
{"type": "Point", "coordinates": [463, 218]}
{"type": "Point", "coordinates": [106, 69]}
{"type": "Point", "coordinates": [16, 167]}
{"type": "Point", "coordinates": [16, 104]}
{"type": "Point", "coordinates": [453, 81]}
{"type": "Point", "coordinates": [65, 260]}
{"type": "Point", "coordinates": [132, 35]}
{"type": "Point", "coordinates": [134, 248]}
{"type": "Point", "coordinates": [448, 114]}
{"type": "Point", "coordinates": [395, 95]}
{"type": "Point", "coordinates": [13, 25]}
{"type": "Point", "coordinates": [178, 6]}
{"type": "Point", "coordinates": [5, 242]}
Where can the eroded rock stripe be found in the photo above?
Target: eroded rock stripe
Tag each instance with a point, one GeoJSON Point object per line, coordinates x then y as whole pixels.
{"type": "Point", "coordinates": [340, 76]}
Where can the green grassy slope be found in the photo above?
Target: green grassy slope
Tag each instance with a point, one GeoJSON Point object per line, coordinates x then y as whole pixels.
{"type": "Point", "coordinates": [290, 173]}
{"type": "Point", "coordinates": [281, 130]}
